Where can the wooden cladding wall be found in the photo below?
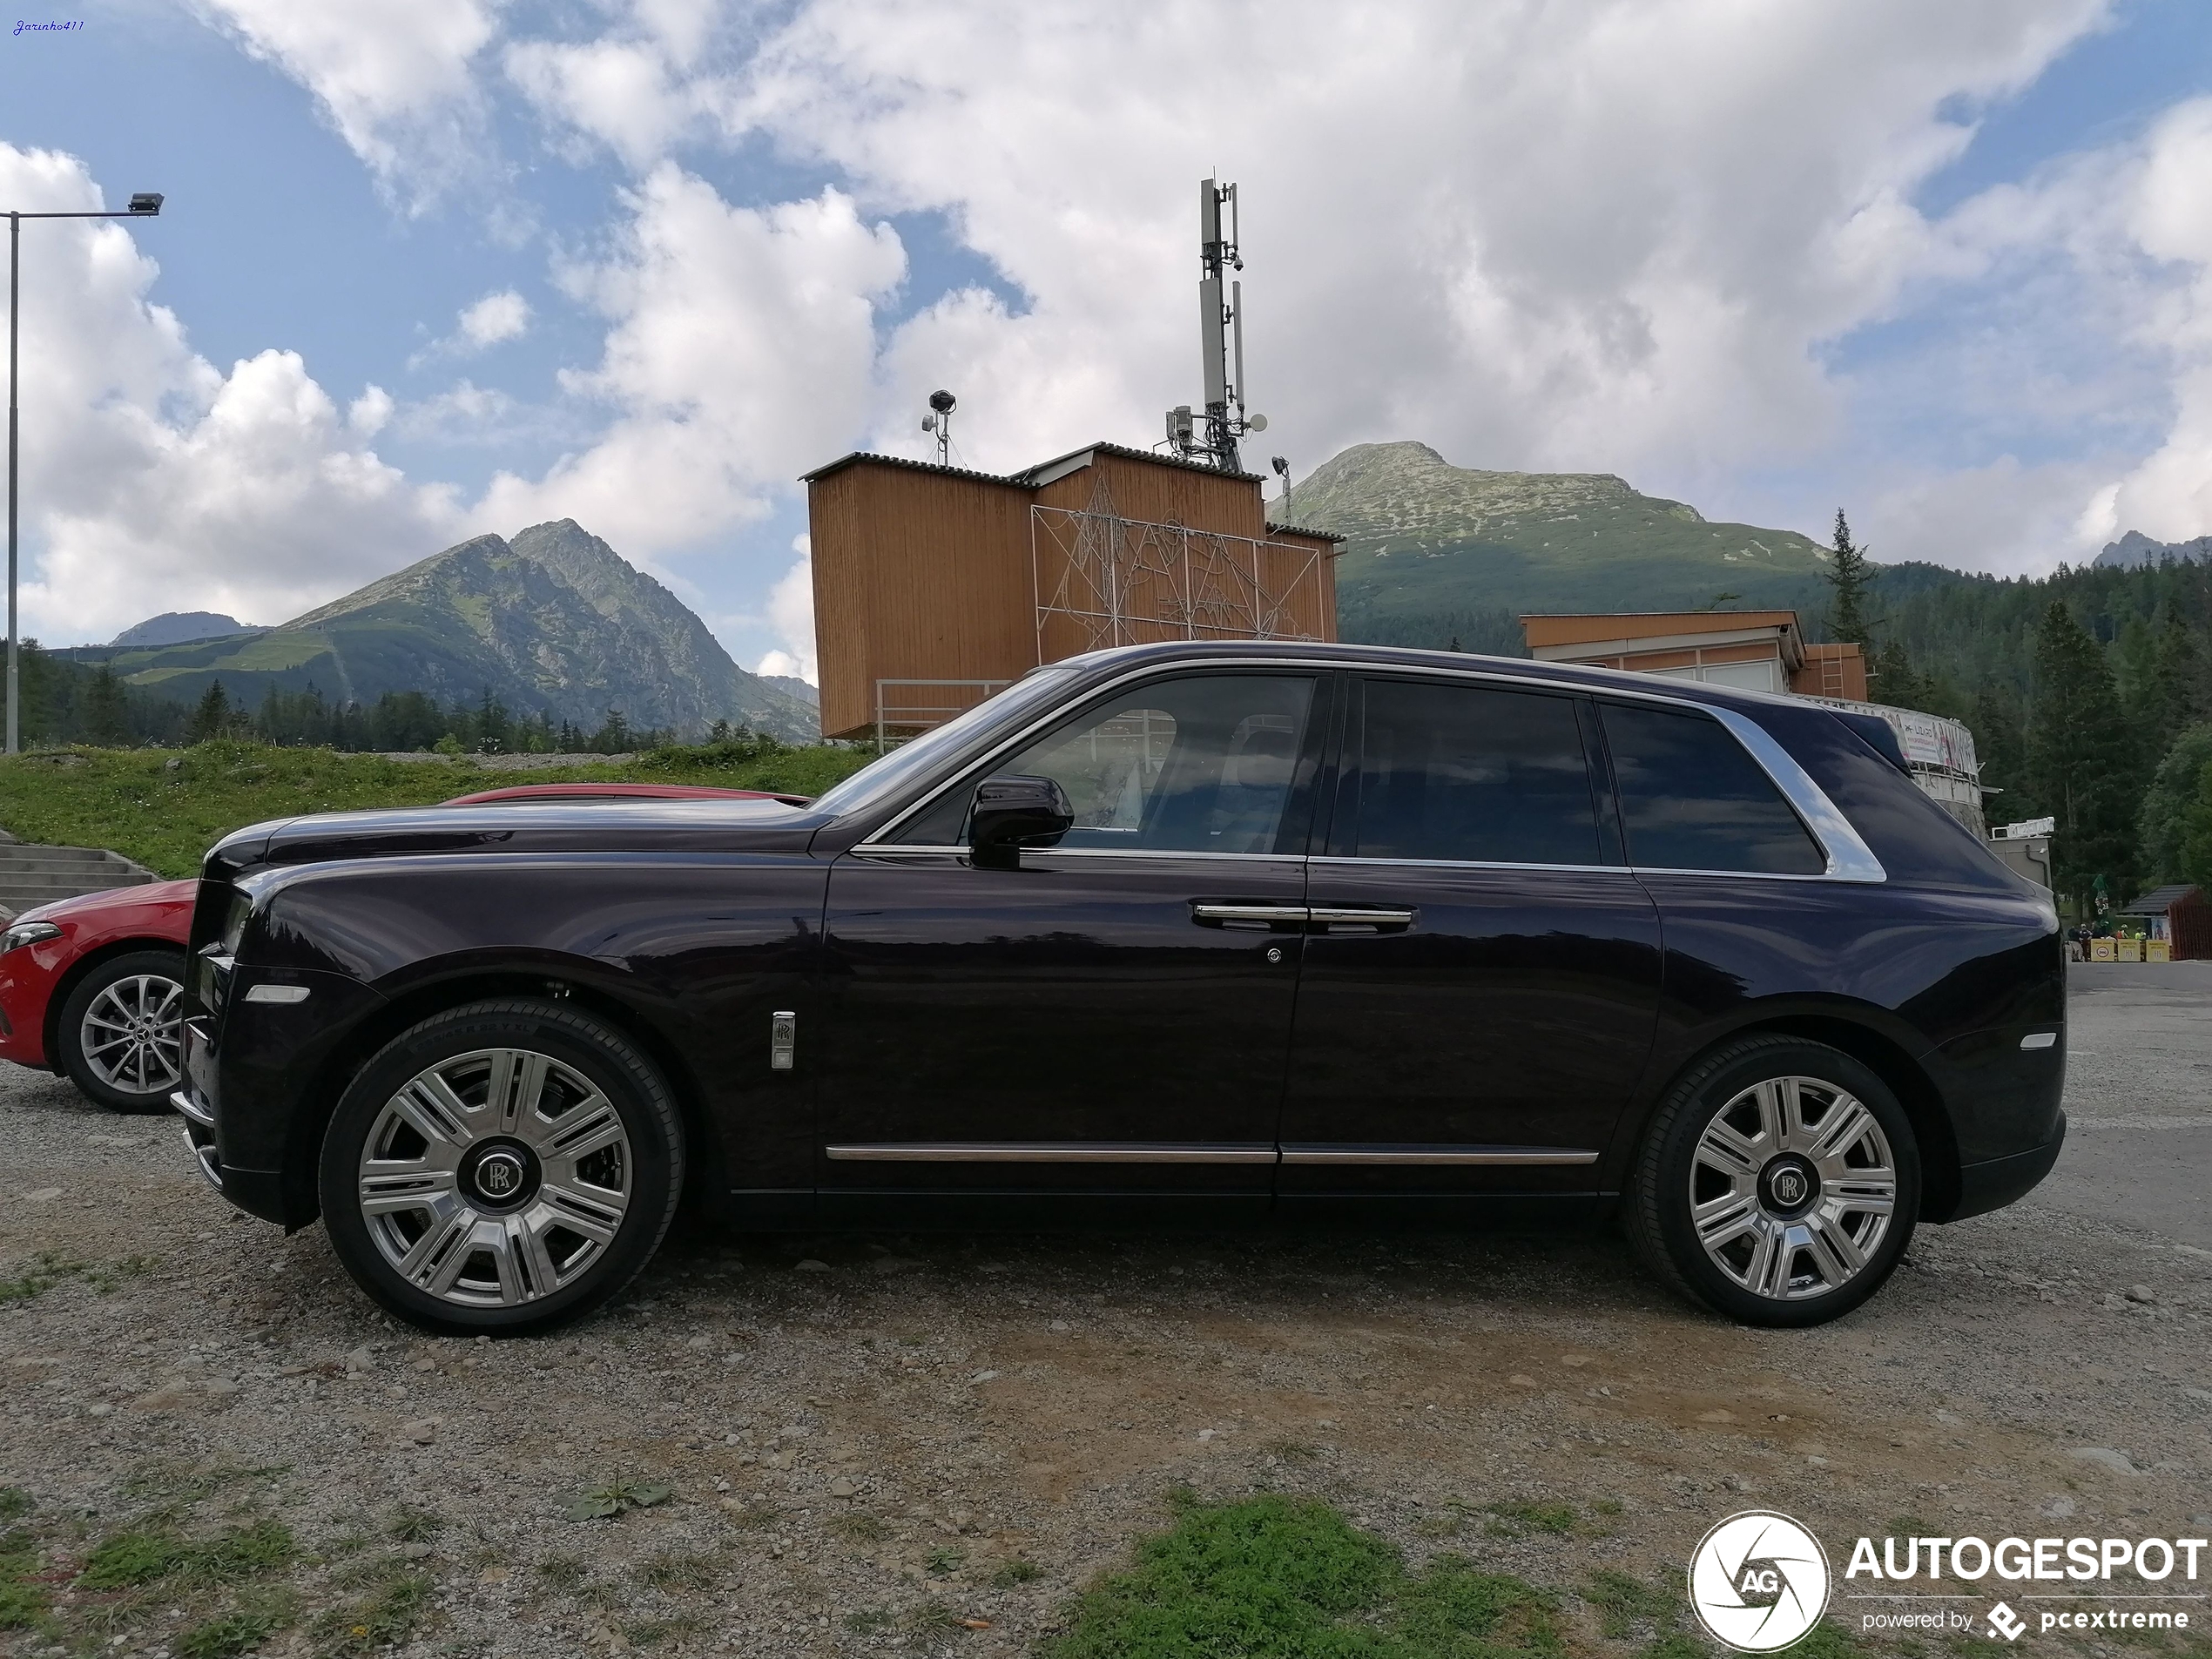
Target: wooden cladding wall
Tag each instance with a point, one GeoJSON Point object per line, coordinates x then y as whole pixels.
{"type": "Point", "coordinates": [928, 575]}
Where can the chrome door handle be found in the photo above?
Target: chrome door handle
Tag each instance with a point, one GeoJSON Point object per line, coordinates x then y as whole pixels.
{"type": "Point", "coordinates": [1358, 918]}
{"type": "Point", "coordinates": [1251, 916]}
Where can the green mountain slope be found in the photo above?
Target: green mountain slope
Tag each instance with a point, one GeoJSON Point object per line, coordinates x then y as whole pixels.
{"type": "Point", "coordinates": [1436, 551]}
{"type": "Point", "coordinates": [553, 620]}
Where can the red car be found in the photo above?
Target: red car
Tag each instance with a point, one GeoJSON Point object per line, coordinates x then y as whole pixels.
{"type": "Point", "coordinates": [91, 986]}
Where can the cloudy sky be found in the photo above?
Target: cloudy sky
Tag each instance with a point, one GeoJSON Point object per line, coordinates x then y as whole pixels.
{"type": "Point", "coordinates": [435, 267]}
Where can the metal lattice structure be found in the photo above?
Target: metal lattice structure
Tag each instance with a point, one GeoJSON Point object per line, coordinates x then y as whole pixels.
{"type": "Point", "coordinates": [1107, 580]}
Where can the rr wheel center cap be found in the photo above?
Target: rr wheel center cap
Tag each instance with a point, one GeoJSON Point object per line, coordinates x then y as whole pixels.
{"type": "Point", "coordinates": [1789, 1185]}
{"type": "Point", "coordinates": [500, 1175]}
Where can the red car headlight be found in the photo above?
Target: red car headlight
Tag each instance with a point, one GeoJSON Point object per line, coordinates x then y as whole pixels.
{"type": "Point", "coordinates": [28, 932]}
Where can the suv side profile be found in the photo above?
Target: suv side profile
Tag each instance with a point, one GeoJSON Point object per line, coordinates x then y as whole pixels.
{"type": "Point", "coordinates": [1198, 934]}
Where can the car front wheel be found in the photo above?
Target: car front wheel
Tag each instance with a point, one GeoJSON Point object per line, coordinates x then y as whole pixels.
{"type": "Point", "coordinates": [1777, 1185]}
{"type": "Point", "coordinates": [121, 1032]}
{"type": "Point", "coordinates": [501, 1167]}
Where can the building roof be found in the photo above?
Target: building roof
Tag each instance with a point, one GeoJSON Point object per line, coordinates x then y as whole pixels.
{"type": "Point", "coordinates": [1273, 529]}
{"type": "Point", "coordinates": [1035, 477]}
{"type": "Point", "coordinates": [859, 456]}
{"type": "Point", "coordinates": [2158, 900]}
{"type": "Point", "coordinates": [1579, 635]}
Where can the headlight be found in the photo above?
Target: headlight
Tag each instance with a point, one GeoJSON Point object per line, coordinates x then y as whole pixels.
{"type": "Point", "coordinates": [28, 932]}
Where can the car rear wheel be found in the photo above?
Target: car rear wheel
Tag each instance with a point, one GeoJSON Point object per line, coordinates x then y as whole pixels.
{"type": "Point", "coordinates": [502, 1167]}
{"type": "Point", "coordinates": [1778, 1184]}
{"type": "Point", "coordinates": [121, 1032]}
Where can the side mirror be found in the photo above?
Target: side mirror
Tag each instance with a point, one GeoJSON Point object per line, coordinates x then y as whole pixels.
{"type": "Point", "coordinates": [1013, 812]}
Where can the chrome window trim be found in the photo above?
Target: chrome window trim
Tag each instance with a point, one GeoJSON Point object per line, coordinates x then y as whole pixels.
{"type": "Point", "coordinates": [1848, 858]}
{"type": "Point", "coordinates": [1051, 1152]}
{"type": "Point", "coordinates": [1473, 864]}
{"type": "Point", "coordinates": [878, 847]}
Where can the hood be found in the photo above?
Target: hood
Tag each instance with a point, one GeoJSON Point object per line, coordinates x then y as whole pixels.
{"type": "Point", "coordinates": [558, 826]}
{"type": "Point", "coordinates": [89, 905]}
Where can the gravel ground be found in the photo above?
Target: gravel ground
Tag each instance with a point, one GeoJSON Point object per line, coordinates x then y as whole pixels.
{"type": "Point", "coordinates": [869, 1441]}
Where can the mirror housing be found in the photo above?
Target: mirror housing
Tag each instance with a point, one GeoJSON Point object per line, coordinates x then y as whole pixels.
{"type": "Point", "coordinates": [1015, 812]}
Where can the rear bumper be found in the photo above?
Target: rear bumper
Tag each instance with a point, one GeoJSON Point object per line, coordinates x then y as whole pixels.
{"type": "Point", "coordinates": [1997, 1181]}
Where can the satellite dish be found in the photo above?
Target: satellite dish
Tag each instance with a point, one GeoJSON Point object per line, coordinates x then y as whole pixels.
{"type": "Point", "coordinates": [1259, 423]}
{"type": "Point", "coordinates": [928, 423]}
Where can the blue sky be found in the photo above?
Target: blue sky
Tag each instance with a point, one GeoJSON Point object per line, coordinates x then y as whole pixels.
{"type": "Point", "coordinates": [1947, 267]}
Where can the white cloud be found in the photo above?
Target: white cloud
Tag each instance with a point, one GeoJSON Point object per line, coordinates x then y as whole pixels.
{"type": "Point", "coordinates": [154, 481]}
{"type": "Point", "coordinates": [741, 351]}
{"type": "Point", "coordinates": [494, 318]}
{"type": "Point", "coordinates": [393, 76]}
{"type": "Point", "coordinates": [791, 612]}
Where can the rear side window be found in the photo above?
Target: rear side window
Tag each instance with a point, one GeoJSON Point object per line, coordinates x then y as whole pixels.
{"type": "Point", "coordinates": [1692, 799]}
{"type": "Point", "coordinates": [1470, 773]}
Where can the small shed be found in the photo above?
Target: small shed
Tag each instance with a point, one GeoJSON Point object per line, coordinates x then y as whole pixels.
{"type": "Point", "coordinates": [2179, 913]}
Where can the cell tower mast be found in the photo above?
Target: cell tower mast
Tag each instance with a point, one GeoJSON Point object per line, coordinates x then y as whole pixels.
{"type": "Point", "coordinates": [1212, 437]}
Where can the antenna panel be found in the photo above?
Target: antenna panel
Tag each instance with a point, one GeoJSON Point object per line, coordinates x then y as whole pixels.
{"type": "Point", "coordinates": [1208, 213]}
{"type": "Point", "coordinates": [1212, 347]}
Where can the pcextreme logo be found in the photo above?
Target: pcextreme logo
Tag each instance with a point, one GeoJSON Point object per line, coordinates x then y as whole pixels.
{"type": "Point", "coordinates": [1759, 1581]}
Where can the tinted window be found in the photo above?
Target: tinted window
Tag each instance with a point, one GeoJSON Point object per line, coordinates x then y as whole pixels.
{"type": "Point", "coordinates": [1457, 772]}
{"type": "Point", "coordinates": [1693, 800]}
{"type": "Point", "coordinates": [1204, 763]}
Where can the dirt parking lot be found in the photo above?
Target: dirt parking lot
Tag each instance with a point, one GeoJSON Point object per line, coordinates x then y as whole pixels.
{"type": "Point", "coordinates": [923, 1445]}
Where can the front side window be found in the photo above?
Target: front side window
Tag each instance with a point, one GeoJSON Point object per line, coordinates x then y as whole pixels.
{"type": "Point", "coordinates": [1691, 799]}
{"type": "Point", "coordinates": [1475, 774]}
{"type": "Point", "coordinates": [1199, 765]}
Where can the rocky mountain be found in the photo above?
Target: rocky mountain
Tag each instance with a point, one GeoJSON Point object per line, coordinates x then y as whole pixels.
{"type": "Point", "coordinates": [792, 685]}
{"type": "Point", "coordinates": [2137, 548]}
{"type": "Point", "coordinates": [1437, 551]}
{"type": "Point", "coordinates": [553, 619]}
{"type": "Point", "coordinates": [174, 627]}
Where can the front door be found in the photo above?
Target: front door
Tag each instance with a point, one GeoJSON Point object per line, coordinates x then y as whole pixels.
{"type": "Point", "coordinates": [1113, 1016]}
{"type": "Point", "coordinates": [1481, 985]}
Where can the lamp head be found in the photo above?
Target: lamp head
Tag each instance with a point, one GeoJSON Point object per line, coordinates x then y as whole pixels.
{"type": "Point", "coordinates": [943, 403]}
{"type": "Point", "coordinates": [145, 202]}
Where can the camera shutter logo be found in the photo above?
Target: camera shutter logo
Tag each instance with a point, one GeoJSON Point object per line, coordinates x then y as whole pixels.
{"type": "Point", "coordinates": [1759, 1581]}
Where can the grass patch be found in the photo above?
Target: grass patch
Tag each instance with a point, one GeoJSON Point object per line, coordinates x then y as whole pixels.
{"type": "Point", "coordinates": [1623, 1602]}
{"type": "Point", "coordinates": [411, 1526]}
{"type": "Point", "coordinates": [145, 1555]}
{"type": "Point", "coordinates": [1274, 1577]}
{"type": "Point", "coordinates": [181, 1485]}
{"type": "Point", "coordinates": [1291, 1451]}
{"type": "Point", "coordinates": [396, 1596]}
{"type": "Point", "coordinates": [165, 815]}
{"type": "Point", "coordinates": [1519, 1520]}
{"type": "Point", "coordinates": [648, 1633]}
{"type": "Point", "coordinates": [943, 1560]}
{"type": "Point", "coordinates": [242, 1629]}
{"type": "Point", "coordinates": [1017, 1571]}
{"type": "Point", "coordinates": [24, 1605]}
{"type": "Point", "coordinates": [673, 1573]}
{"type": "Point", "coordinates": [862, 1527]}
{"type": "Point", "coordinates": [868, 1619]}
{"type": "Point", "coordinates": [562, 1572]}
{"type": "Point", "coordinates": [15, 1503]}
{"type": "Point", "coordinates": [615, 1497]}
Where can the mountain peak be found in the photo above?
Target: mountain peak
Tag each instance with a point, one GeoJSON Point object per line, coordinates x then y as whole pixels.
{"type": "Point", "coordinates": [2135, 547]}
{"type": "Point", "coordinates": [175, 627]}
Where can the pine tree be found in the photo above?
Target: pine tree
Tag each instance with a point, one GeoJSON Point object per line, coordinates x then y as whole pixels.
{"type": "Point", "coordinates": [2080, 758]}
{"type": "Point", "coordinates": [2001, 750]}
{"type": "Point", "coordinates": [107, 716]}
{"type": "Point", "coordinates": [211, 718]}
{"type": "Point", "coordinates": [1848, 575]}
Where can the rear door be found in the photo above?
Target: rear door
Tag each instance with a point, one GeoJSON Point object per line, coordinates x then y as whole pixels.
{"type": "Point", "coordinates": [1482, 975]}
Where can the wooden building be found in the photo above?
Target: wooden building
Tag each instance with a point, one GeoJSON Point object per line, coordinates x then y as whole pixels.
{"type": "Point", "coordinates": [934, 586]}
{"type": "Point", "coordinates": [1758, 651]}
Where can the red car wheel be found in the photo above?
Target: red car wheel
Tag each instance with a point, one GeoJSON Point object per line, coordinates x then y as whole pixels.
{"type": "Point", "coordinates": [121, 1034]}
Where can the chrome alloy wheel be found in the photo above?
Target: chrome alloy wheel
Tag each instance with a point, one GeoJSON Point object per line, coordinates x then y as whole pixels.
{"type": "Point", "coordinates": [495, 1177]}
{"type": "Point", "coordinates": [1792, 1188]}
{"type": "Point", "coordinates": [132, 1034]}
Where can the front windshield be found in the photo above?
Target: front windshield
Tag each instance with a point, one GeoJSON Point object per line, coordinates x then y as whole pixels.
{"type": "Point", "coordinates": [887, 775]}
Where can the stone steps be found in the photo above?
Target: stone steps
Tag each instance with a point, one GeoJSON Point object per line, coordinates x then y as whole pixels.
{"type": "Point", "coordinates": [32, 875]}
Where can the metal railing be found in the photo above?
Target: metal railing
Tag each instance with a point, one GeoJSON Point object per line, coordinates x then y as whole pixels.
{"type": "Point", "coordinates": [938, 703]}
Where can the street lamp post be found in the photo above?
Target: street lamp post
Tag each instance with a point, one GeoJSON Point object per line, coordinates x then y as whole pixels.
{"type": "Point", "coordinates": [145, 204]}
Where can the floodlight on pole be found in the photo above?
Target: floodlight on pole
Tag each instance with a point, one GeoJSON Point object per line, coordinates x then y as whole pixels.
{"type": "Point", "coordinates": [146, 204]}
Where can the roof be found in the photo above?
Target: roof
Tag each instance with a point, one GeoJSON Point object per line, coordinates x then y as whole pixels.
{"type": "Point", "coordinates": [2158, 900]}
{"type": "Point", "coordinates": [1588, 628]}
{"type": "Point", "coordinates": [1032, 477]}
{"type": "Point", "coordinates": [1273, 529]}
{"type": "Point", "coordinates": [859, 456]}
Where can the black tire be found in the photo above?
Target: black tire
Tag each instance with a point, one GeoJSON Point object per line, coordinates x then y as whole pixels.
{"type": "Point", "coordinates": [580, 1052]}
{"type": "Point", "coordinates": [154, 1069]}
{"type": "Point", "coordinates": [1757, 1274]}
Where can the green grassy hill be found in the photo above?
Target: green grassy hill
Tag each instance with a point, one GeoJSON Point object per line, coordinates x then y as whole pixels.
{"type": "Point", "coordinates": [552, 621]}
{"type": "Point", "coordinates": [1436, 550]}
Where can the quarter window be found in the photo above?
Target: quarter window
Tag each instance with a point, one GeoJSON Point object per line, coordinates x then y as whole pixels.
{"type": "Point", "coordinates": [1473, 773]}
{"type": "Point", "coordinates": [1692, 799]}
